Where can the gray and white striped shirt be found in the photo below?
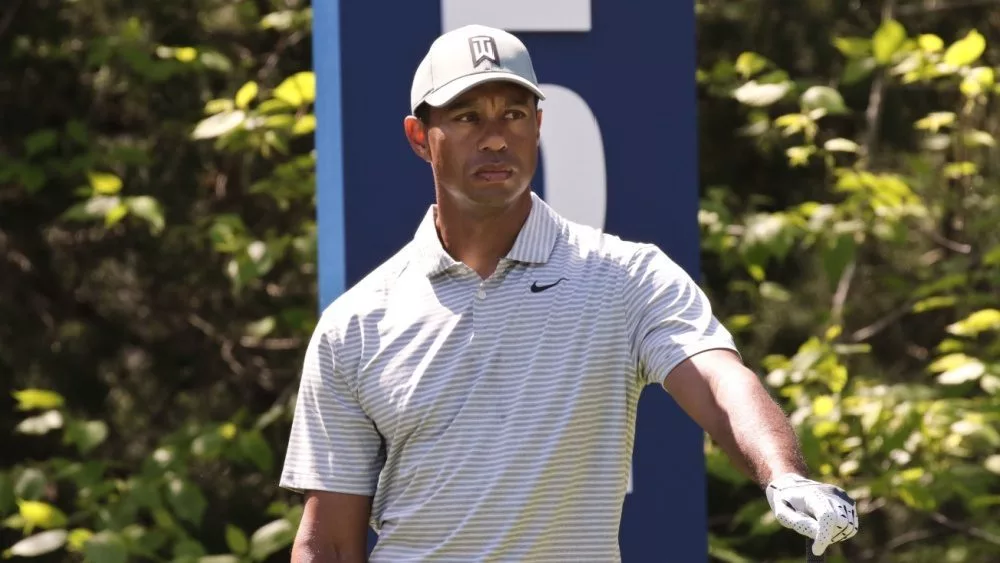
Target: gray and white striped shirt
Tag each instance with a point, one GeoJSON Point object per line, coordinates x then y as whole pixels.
{"type": "Point", "coordinates": [493, 420]}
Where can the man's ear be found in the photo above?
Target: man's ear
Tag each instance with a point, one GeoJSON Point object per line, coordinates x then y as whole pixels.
{"type": "Point", "coordinates": [538, 128]}
{"type": "Point", "coordinates": [416, 134]}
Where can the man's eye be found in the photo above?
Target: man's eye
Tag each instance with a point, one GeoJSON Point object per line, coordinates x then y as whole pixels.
{"type": "Point", "coordinates": [466, 118]}
{"type": "Point", "coordinates": [514, 114]}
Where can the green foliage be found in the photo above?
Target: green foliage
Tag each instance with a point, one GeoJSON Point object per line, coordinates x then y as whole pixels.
{"type": "Point", "coordinates": [895, 397]}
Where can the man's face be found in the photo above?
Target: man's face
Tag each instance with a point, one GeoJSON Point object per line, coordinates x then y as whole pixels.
{"type": "Point", "coordinates": [483, 147]}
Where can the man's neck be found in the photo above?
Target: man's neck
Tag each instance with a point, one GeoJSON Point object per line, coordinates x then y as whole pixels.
{"type": "Point", "coordinates": [480, 239]}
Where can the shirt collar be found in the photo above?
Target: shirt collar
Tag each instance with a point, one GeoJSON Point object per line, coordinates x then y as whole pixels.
{"type": "Point", "coordinates": [533, 245]}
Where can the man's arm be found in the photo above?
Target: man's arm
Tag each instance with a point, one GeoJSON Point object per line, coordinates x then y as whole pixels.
{"type": "Point", "coordinates": [333, 529]}
{"type": "Point", "coordinates": [729, 402]}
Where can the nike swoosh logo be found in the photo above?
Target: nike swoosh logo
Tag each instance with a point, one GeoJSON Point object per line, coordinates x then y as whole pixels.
{"type": "Point", "coordinates": [535, 288]}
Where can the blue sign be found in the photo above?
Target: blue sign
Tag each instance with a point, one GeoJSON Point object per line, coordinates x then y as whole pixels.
{"type": "Point", "coordinates": [619, 152]}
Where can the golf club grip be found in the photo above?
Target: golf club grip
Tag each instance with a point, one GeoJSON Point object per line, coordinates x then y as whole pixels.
{"type": "Point", "coordinates": [810, 558]}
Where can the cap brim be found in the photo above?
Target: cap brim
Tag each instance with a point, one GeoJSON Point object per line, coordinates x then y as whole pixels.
{"type": "Point", "coordinates": [447, 93]}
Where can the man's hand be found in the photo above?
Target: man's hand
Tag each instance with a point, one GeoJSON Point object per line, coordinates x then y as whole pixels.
{"type": "Point", "coordinates": [822, 512]}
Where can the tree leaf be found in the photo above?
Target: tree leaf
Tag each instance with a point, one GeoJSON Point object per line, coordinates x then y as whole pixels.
{"type": "Point", "coordinates": [976, 323]}
{"type": "Point", "coordinates": [236, 540]}
{"type": "Point", "coordinates": [186, 500]}
{"type": "Point", "coordinates": [992, 464]}
{"type": "Point", "coordinates": [40, 514]}
{"type": "Point", "coordinates": [104, 183]}
{"type": "Point", "coordinates": [853, 47]}
{"type": "Point", "coordinates": [41, 424]}
{"type": "Point", "coordinates": [185, 54]}
{"type": "Point", "coordinates": [965, 51]}
{"type": "Point", "coordinates": [31, 399]}
{"type": "Point", "coordinates": [115, 214]}
{"type": "Point", "coordinates": [888, 38]}
{"type": "Point", "coordinates": [935, 121]}
{"type": "Point", "coordinates": [970, 371]}
{"type": "Point", "coordinates": [40, 141]}
{"type": "Point", "coordinates": [824, 98]}
{"type": "Point", "coordinates": [38, 544]}
{"type": "Point", "coordinates": [148, 209]}
{"type": "Point", "coordinates": [218, 124]}
{"type": "Point", "coordinates": [930, 43]}
{"type": "Point", "coordinates": [246, 94]}
{"type": "Point", "coordinates": [749, 64]}
{"type": "Point", "coordinates": [219, 559]}
{"type": "Point", "coordinates": [86, 435]}
{"type": "Point", "coordinates": [760, 95]}
{"type": "Point", "coordinates": [298, 89]}
{"type": "Point", "coordinates": [106, 547]}
{"type": "Point", "coordinates": [255, 447]}
{"type": "Point", "coordinates": [270, 538]}
{"type": "Point", "coordinates": [304, 125]}
{"type": "Point", "coordinates": [841, 145]}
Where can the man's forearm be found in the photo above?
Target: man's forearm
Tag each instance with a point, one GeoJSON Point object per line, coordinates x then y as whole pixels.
{"type": "Point", "coordinates": [316, 552]}
{"type": "Point", "coordinates": [753, 430]}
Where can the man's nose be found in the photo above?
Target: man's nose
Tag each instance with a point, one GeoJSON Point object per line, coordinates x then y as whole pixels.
{"type": "Point", "coordinates": [493, 136]}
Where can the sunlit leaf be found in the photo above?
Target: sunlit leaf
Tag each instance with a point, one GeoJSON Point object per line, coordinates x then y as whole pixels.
{"type": "Point", "coordinates": [270, 538]}
{"type": "Point", "coordinates": [304, 125]}
{"type": "Point", "coordinates": [760, 95]}
{"type": "Point", "coordinates": [38, 544]}
{"type": "Point", "coordinates": [147, 208]}
{"type": "Point", "coordinates": [749, 64]}
{"type": "Point", "coordinates": [823, 97]}
{"type": "Point", "coordinates": [185, 54]}
{"type": "Point", "coordinates": [930, 43]}
{"type": "Point", "coordinates": [992, 463]}
{"type": "Point", "coordinates": [950, 362]}
{"type": "Point", "coordinates": [967, 50]}
{"type": "Point", "coordinates": [104, 183]}
{"type": "Point", "coordinates": [963, 373]}
{"type": "Point", "coordinates": [40, 514]}
{"type": "Point", "coordinates": [799, 156]}
{"type": "Point", "coordinates": [218, 124]}
{"type": "Point", "coordinates": [976, 323]}
{"type": "Point", "coordinates": [888, 38]}
{"type": "Point", "coordinates": [246, 94]}
{"type": "Point", "coordinates": [31, 399]}
{"type": "Point", "coordinates": [41, 424]}
{"type": "Point", "coordinates": [115, 214]}
{"type": "Point", "coordinates": [298, 89]}
{"type": "Point", "coordinates": [935, 121]}
{"type": "Point", "coordinates": [853, 47]}
{"type": "Point", "coordinates": [841, 145]}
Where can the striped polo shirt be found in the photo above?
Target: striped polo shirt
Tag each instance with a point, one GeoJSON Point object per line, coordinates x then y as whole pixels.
{"type": "Point", "coordinates": [493, 420]}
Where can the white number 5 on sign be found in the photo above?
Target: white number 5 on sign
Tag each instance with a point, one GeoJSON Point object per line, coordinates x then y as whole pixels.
{"type": "Point", "coordinates": [572, 147]}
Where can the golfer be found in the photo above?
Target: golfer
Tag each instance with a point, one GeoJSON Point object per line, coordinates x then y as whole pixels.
{"type": "Point", "coordinates": [474, 397]}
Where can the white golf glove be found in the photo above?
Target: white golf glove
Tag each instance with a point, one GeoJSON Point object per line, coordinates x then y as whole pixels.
{"type": "Point", "coordinates": [822, 512]}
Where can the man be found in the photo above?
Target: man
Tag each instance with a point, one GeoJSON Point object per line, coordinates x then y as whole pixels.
{"type": "Point", "coordinates": [474, 397]}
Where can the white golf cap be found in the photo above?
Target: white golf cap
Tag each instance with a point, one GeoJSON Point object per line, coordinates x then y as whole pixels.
{"type": "Point", "coordinates": [467, 57]}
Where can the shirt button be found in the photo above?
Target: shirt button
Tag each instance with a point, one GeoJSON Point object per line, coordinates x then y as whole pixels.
{"type": "Point", "coordinates": [481, 294]}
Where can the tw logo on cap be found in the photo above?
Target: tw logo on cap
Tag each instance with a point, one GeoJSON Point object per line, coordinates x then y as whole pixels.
{"type": "Point", "coordinates": [483, 48]}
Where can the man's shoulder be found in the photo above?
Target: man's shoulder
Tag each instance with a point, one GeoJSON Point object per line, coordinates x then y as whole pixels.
{"type": "Point", "coordinates": [600, 244]}
{"type": "Point", "coordinates": [370, 292]}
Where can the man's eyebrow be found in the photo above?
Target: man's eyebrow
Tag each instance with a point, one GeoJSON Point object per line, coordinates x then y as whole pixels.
{"type": "Point", "coordinates": [459, 105]}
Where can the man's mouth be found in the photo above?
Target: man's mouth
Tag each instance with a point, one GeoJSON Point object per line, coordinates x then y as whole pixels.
{"type": "Point", "coordinates": [494, 173]}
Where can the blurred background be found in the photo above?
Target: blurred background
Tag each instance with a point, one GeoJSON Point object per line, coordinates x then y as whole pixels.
{"type": "Point", "coordinates": [158, 268]}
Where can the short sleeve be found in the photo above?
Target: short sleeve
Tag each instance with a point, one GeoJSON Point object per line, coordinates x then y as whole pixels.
{"type": "Point", "coordinates": [669, 317]}
{"type": "Point", "coordinates": [333, 446]}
